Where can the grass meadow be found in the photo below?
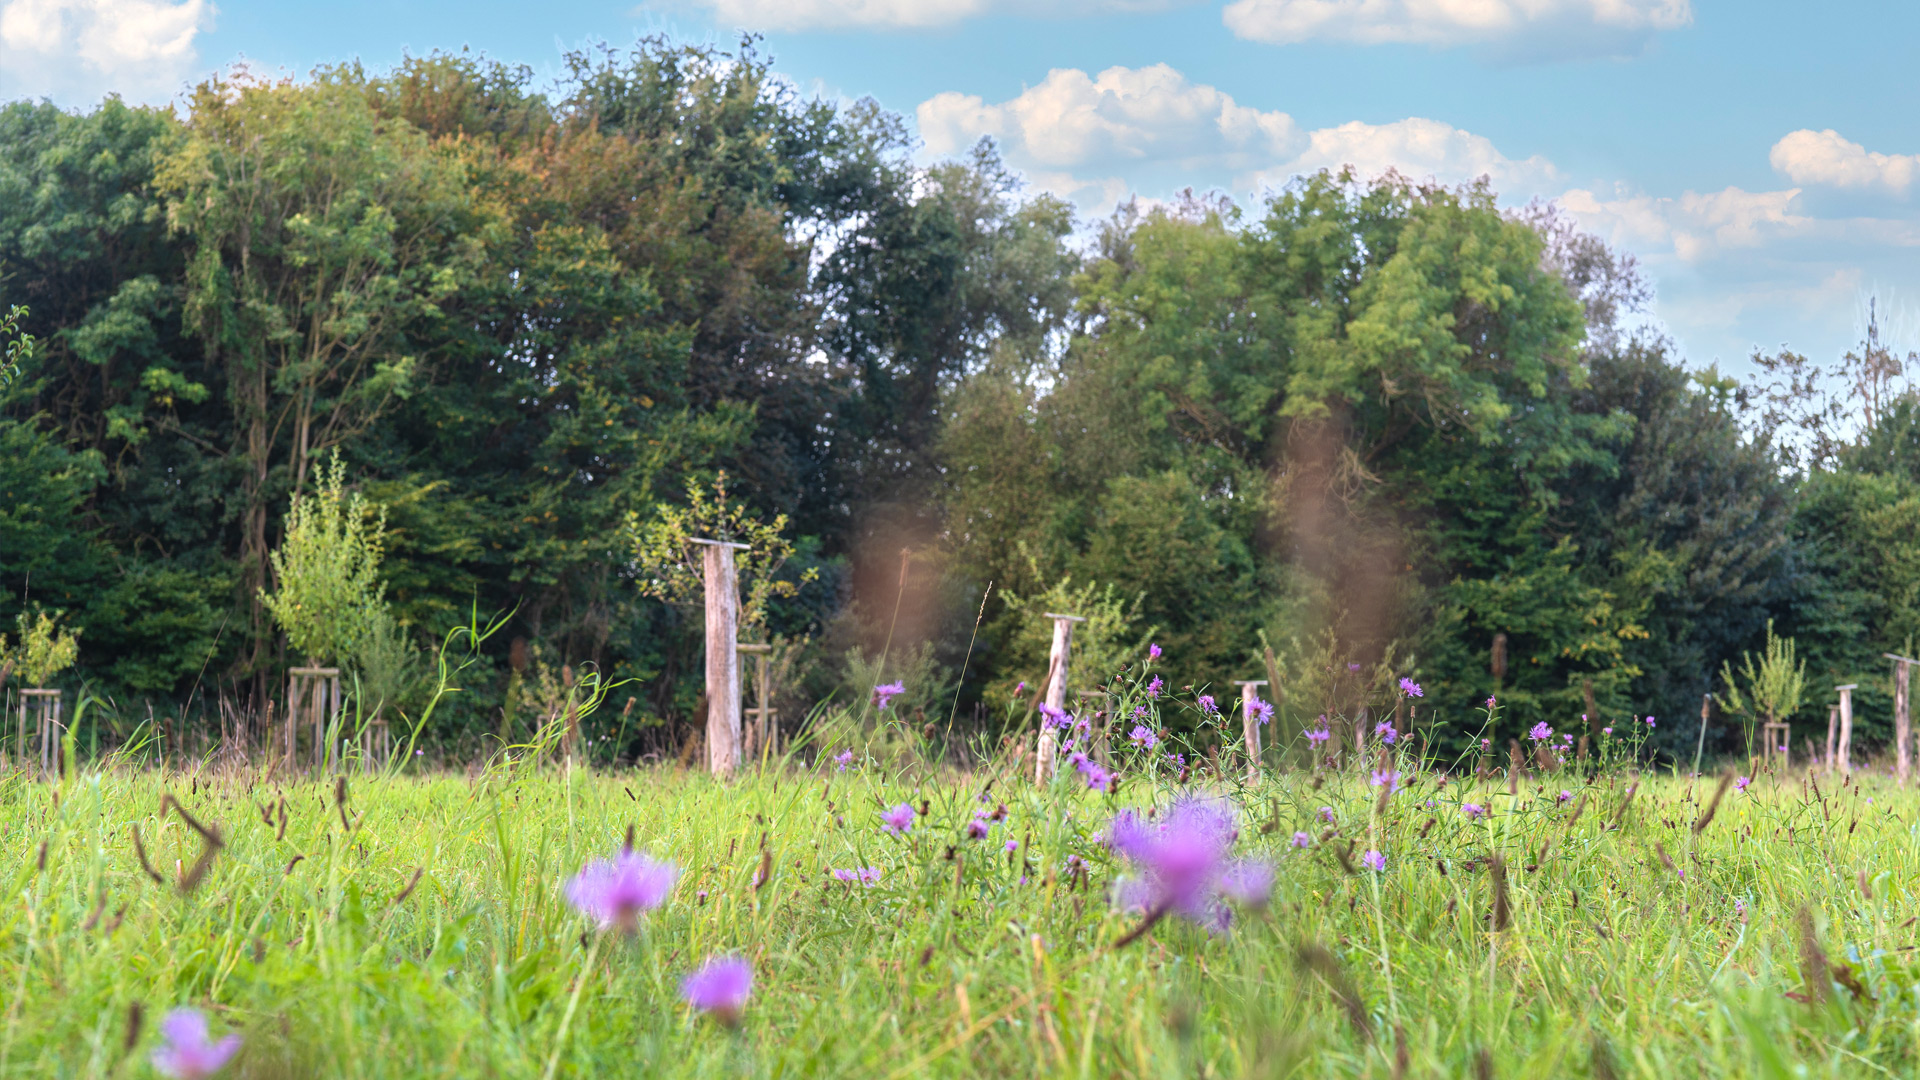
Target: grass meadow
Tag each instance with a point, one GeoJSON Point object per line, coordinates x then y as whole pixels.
{"type": "Point", "coordinates": [419, 927]}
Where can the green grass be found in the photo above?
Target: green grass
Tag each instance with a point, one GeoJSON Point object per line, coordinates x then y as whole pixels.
{"type": "Point", "coordinates": [982, 965]}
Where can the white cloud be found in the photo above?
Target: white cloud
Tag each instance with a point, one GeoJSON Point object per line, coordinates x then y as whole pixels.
{"type": "Point", "coordinates": [91, 47]}
{"type": "Point", "coordinates": [1694, 226]}
{"type": "Point", "coordinates": [1824, 157]}
{"type": "Point", "coordinates": [1517, 27]}
{"type": "Point", "coordinates": [1090, 138]}
{"type": "Point", "coordinates": [900, 14]}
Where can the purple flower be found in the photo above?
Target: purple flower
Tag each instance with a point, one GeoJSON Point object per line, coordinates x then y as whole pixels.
{"type": "Point", "coordinates": [187, 1052]}
{"type": "Point", "coordinates": [1139, 712]}
{"type": "Point", "coordinates": [1207, 706]}
{"type": "Point", "coordinates": [1374, 861]}
{"type": "Point", "coordinates": [1153, 652]}
{"type": "Point", "coordinates": [1385, 733]}
{"type": "Point", "coordinates": [1053, 716]}
{"type": "Point", "coordinates": [1741, 784]}
{"type": "Point", "coordinates": [1326, 814]}
{"type": "Point", "coordinates": [1491, 702]}
{"type": "Point", "coordinates": [845, 759]}
{"type": "Point", "coordinates": [1486, 744]}
{"type": "Point", "coordinates": [1353, 667]}
{"type": "Point", "coordinates": [1541, 732]}
{"type": "Point", "coordinates": [1473, 810]}
{"type": "Point", "coordinates": [885, 693]}
{"type": "Point", "coordinates": [1098, 778]}
{"type": "Point", "coordinates": [1182, 861]}
{"type": "Point", "coordinates": [1390, 778]}
{"type": "Point", "coordinates": [1021, 688]}
{"type": "Point", "coordinates": [1301, 839]}
{"type": "Point", "coordinates": [1154, 687]}
{"type": "Point", "coordinates": [1564, 796]}
{"type": "Point", "coordinates": [898, 821]}
{"type": "Point", "coordinates": [1318, 736]}
{"type": "Point", "coordinates": [1248, 882]}
{"type": "Point", "coordinates": [720, 987]}
{"type": "Point", "coordinates": [1143, 736]}
{"type": "Point", "coordinates": [1650, 722]}
{"type": "Point", "coordinates": [1013, 845]}
{"type": "Point", "coordinates": [1263, 709]}
{"type": "Point", "coordinates": [1606, 731]}
{"type": "Point", "coordinates": [616, 891]}
{"type": "Point", "coordinates": [1410, 688]}
{"type": "Point", "coordinates": [978, 828]}
{"type": "Point", "coordinates": [865, 875]}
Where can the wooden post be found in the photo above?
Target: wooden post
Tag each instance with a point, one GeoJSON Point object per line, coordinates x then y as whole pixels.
{"type": "Point", "coordinates": [1845, 751]}
{"type": "Point", "coordinates": [45, 706]}
{"type": "Point", "coordinates": [1059, 659]}
{"type": "Point", "coordinates": [1250, 723]}
{"type": "Point", "coordinates": [760, 731]}
{"type": "Point", "coordinates": [1777, 737]}
{"type": "Point", "coordinates": [313, 699]}
{"type": "Point", "coordinates": [1902, 718]}
{"type": "Point", "coordinates": [1833, 723]}
{"type": "Point", "coordinates": [723, 656]}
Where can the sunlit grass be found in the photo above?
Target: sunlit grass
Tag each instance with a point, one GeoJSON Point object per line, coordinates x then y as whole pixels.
{"type": "Point", "coordinates": [1647, 950]}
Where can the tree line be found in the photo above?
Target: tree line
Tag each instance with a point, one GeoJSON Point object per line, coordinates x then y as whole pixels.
{"type": "Point", "coordinates": [1363, 428]}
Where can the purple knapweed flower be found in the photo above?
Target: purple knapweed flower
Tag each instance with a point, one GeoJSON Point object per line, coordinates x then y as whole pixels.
{"type": "Point", "coordinates": [1263, 710]}
{"type": "Point", "coordinates": [187, 1053]}
{"type": "Point", "coordinates": [720, 988]}
{"type": "Point", "coordinates": [1650, 722]}
{"type": "Point", "coordinates": [1326, 814]}
{"type": "Point", "coordinates": [1153, 652]}
{"type": "Point", "coordinates": [1374, 861]}
{"type": "Point", "coordinates": [898, 821]}
{"type": "Point", "coordinates": [1154, 687]}
{"type": "Point", "coordinates": [1473, 810]}
{"type": "Point", "coordinates": [1248, 883]}
{"type": "Point", "coordinates": [1021, 687]}
{"type": "Point", "coordinates": [1564, 796]}
{"type": "Point", "coordinates": [1353, 667]}
{"type": "Point", "coordinates": [1097, 776]}
{"type": "Point", "coordinates": [1301, 839]}
{"type": "Point", "coordinates": [1385, 732]}
{"type": "Point", "coordinates": [1139, 712]}
{"type": "Point", "coordinates": [845, 759]}
{"type": "Point", "coordinates": [1181, 861]}
{"type": "Point", "coordinates": [886, 692]}
{"type": "Point", "coordinates": [1741, 784]}
{"type": "Point", "coordinates": [1390, 778]}
{"type": "Point", "coordinates": [1491, 702]}
{"type": "Point", "coordinates": [1410, 688]}
{"type": "Point", "coordinates": [617, 891]}
{"type": "Point", "coordinates": [1013, 845]}
{"type": "Point", "coordinates": [865, 875]}
{"type": "Point", "coordinates": [1540, 732]}
{"type": "Point", "coordinates": [1207, 704]}
{"type": "Point", "coordinates": [1054, 717]}
{"type": "Point", "coordinates": [1318, 736]}
{"type": "Point", "coordinates": [1606, 731]}
{"type": "Point", "coordinates": [979, 827]}
{"type": "Point", "coordinates": [1143, 736]}
{"type": "Point", "coordinates": [1486, 744]}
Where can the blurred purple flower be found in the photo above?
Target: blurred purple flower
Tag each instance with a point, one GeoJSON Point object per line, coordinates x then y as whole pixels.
{"type": "Point", "coordinates": [1491, 702]}
{"type": "Point", "coordinates": [1263, 709]}
{"type": "Point", "coordinates": [898, 821]}
{"type": "Point", "coordinates": [845, 759]}
{"type": "Point", "coordinates": [1207, 705]}
{"type": "Point", "coordinates": [1741, 784]}
{"type": "Point", "coordinates": [1153, 652]}
{"type": "Point", "coordinates": [1021, 687]}
{"type": "Point", "coordinates": [1650, 722]}
{"type": "Point", "coordinates": [616, 891]}
{"type": "Point", "coordinates": [1564, 796]}
{"type": "Point", "coordinates": [1013, 845]}
{"type": "Point", "coordinates": [1143, 736]}
{"type": "Point", "coordinates": [1301, 839]}
{"type": "Point", "coordinates": [1353, 667]}
{"type": "Point", "coordinates": [720, 987]}
{"type": "Point", "coordinates": [1053, 716]}
{"type": "Point", "coordinates": [186, 1051]}
{"type": "Point", "coordinates": [865, 875]}
{"type": "Point", "coordinates": [1319, 735]}
{"type": "Point", "coordinates": [978, 828]}
{"type": "Point", "coordinates": [1154, 687]}
{"type": "Point", "coordinates": [1182, 861]}
{"type": "Point", "coordinates": [1606, 731]}
{"type": "Point", "coordinates": [1410, 688]}
{"type": "Point", "coordinates": [1385, 733]}
{"type": "Point", "coordinates": [1139, 711]}
{"type": "Point", "coordinates": [1390, 778]}
{"type": "Point", "coordinates": [1097, 775]}
{"type": "Point", "coordinates": [1374, 861]}
{"type": "Point", "coordinates": [1248, 882]}
{"type": "Point", "coordinates": [886, 692]}
{"type": "Point", "coordinates": [1473, 810]}
{"type": "Point", "coordinates": [1541, 732]}
{"type": "Point", "coordinates": [1326, 814]}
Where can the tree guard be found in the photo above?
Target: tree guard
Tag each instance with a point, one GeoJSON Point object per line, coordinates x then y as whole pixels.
{"type": "Point", "coordinates": [313, 702]}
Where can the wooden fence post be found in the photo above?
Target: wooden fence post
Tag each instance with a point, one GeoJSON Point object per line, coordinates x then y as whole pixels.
{"type": "Point", "coordinates": [1845, 751]}
{"type": "Point", "coordinates": [1833, 723]}
{"type": "Point", "coordinates": [760, 735]}
{"type": "Point", "coordinates": [1250, 723]}
{"type": "Point", "coordinates": [1902, 717]}
{"type": "Point", "coordinates": [723, 656]}
{"type": "Point", "coordinates": [1059, 659]}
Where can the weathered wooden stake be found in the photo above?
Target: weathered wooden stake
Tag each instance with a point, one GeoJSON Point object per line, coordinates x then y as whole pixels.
{"type": "Point", "coordinates": [761, 734]}
{"type": "Point", "coordinates": [313, 696]}
{"type": "Point", "coordinates": [723, 657]}
{"type": "Point", "coordinates": [45, 706]}
{"type": "Point", "coordinates": [1845, 751]}
{"type": "Point", "coordinates": [1902, 718]}
{"type": "Point", "coordinates": [1059, 659]}
{"type": "Point", "coordinates": [1250, 723]}
{"type": "Point", "coordinates": [1833, 724]}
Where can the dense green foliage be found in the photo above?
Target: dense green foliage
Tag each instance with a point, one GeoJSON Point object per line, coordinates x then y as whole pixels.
{"type": "Point", "coordinates": [1375, 423]}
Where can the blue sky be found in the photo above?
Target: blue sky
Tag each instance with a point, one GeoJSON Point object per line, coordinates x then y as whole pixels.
{"type": "Point", "coordinates": [1759, 158]}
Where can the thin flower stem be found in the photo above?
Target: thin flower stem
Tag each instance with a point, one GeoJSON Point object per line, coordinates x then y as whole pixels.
{"type": "Point", "coordinates": [1140, 931]}
{"type": "Point", "coordinates": [573, 1002]}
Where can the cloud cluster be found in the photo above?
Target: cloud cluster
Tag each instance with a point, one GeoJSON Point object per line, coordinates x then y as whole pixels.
{"type": "Point", "coordinates": [89, 47]}
{"type": "Point", "coordinates": [1088, 137]}
{"type": "Point", "coordinates": [901, 14]}
{"type": "Point", "coordinates": [1516, 27]}
{"type": "Point", "coordinates": [1825, 158]}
